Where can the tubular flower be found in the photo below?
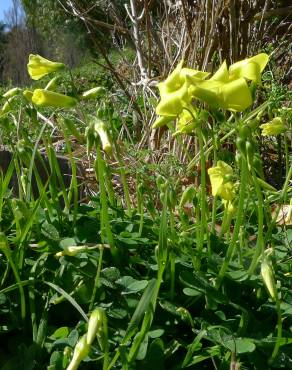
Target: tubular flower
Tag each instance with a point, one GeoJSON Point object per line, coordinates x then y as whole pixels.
{"type": "Point", "coordinates": [219, 177]}
{"type": "Point", "coordinates": [39, 67]}
{"type": "Point", "coordinates": [274, 127]}
{"type": "Point", "coordinates": [221, 91]}
{"type": "Point", "coordinates": [47, 98]}
{"type": "Point", "coordinates": [250, 68]}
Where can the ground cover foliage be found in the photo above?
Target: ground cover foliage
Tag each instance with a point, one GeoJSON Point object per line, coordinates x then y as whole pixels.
{"type": "Point", "coordinates": [178, 256]}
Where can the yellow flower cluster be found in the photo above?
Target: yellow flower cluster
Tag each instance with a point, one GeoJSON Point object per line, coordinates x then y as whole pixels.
{"type": "Point", "coordinates": [228, 89]}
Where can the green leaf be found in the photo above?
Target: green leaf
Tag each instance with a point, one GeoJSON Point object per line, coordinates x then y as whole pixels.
{"type": "Point", "coordinates": [136, 286]}
{"type": "Point", "coordinates": [60, 333]}
{"type": "Point", "coordinates": [50, 231]}
{"type": "Point", "coordinates": [240, 345]}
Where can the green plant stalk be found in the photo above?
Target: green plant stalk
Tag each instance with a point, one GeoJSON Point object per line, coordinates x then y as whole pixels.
{"type": "Point", "coordinates": [105, 224]}
{"type": "Point", "coordinates": [213, 222]}
{"type": "Point", "coordinates": [141, 211]}
{"type": "Point", "coordinates": [203, 226]}
{"type": "Point", "coordinates": [6, 250]}
{"type": "Point", "coordinates": [73, 186]}
{"type": "Point", "coordinates": [279, 331]}
{"type": "Point", "coordinates": [122, 173]}
{"type": "Point", "coordinates": [97, 279]}
{"type": "Point", "coordinates": [214, 213]}
{"type": "Point", "coordinates": [260, 240]}
{"type": "Point", "coordinates": [225, 221]}
{"type": "Point", "coordinates": [286, 156]}
{"type": "Point", "coordinates": [172, 258]}
{"type": "Point", "coordinates": [238, 223]}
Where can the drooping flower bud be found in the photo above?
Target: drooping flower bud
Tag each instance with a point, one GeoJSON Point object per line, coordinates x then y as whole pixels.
{"type": "Point", "coordinates": [71, 251]}
{"type": "Point", "coordinates": [12, 92]}
{"type": "Point", "coordinates": [93, 93]}
{"type": "Point", "coordinates": [80, 352]}
{"type": "Point", "coordinates": [95, 325]}
{"type": "Point", "coordinates": [46, 98]}
{"type": "Point", "coordinates": [269, 278]}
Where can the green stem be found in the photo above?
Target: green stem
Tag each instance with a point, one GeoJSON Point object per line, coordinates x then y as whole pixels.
{"type": "Point", "coordinates": [105, 224]}
{"type": "Point", "coordinates": [260, 240]}
{"type": "Point", "coordinates": [203, 228]}
{"type": "Point", "coordinates": [238, 223]}
{"type": "Point", "coordinates": [172, 257]}
{"type": "Point", "coordinates": [97, 279]}
{"type": "Point", "coordinates": [279, 332]}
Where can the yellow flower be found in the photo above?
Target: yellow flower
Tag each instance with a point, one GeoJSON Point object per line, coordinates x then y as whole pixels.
{"type": "Point", "coordinates": [219, 178]}
{"type": "Point", "coordinates": [174, 91]}
{"type": "Point", "coordinates": [46, 98]}
{"type": "Point", "coordinates": [221, 91]}
{"type": "Point", "coordinates": [39, 67]}
{"type": "Point", "coordinates": [274, 127]}
{"type": "Point", "coordinates": [250, 68]}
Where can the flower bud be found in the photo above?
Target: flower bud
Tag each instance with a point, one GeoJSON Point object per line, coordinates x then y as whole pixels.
{"type": "Point", "coordinates": [93, 93]}
{"type": "Point", "coordinates": [268, 278]}
{"type": "Point", "coordinates": [188, 195]}
{"type": "Point", "coordinates": [80, 352]}
{"type": "Point", "coordinates": [12, 92]}
{"type": "Point", "coordinates": [46, 98]}
{"type": "Point", "coordinates": [97, 326]}
{"type": "Point", "coordinates": [71, 251]}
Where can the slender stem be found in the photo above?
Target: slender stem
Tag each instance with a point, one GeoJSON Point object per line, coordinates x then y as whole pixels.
{"type": "Point", "coordinates": [260, 240]}
{"type": "Point", "coordinates": [172, 258]}
{"type": "Point", "coordinates": [279, 331]}
{"type": "Point", "coordinates": [203, 194]}
{"type": "Point", "coordinates": [105, 223]}
{"type": "Point", "coordinates": [238, 223]}
{"type": "Point", "coordinates": [97, 279]}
